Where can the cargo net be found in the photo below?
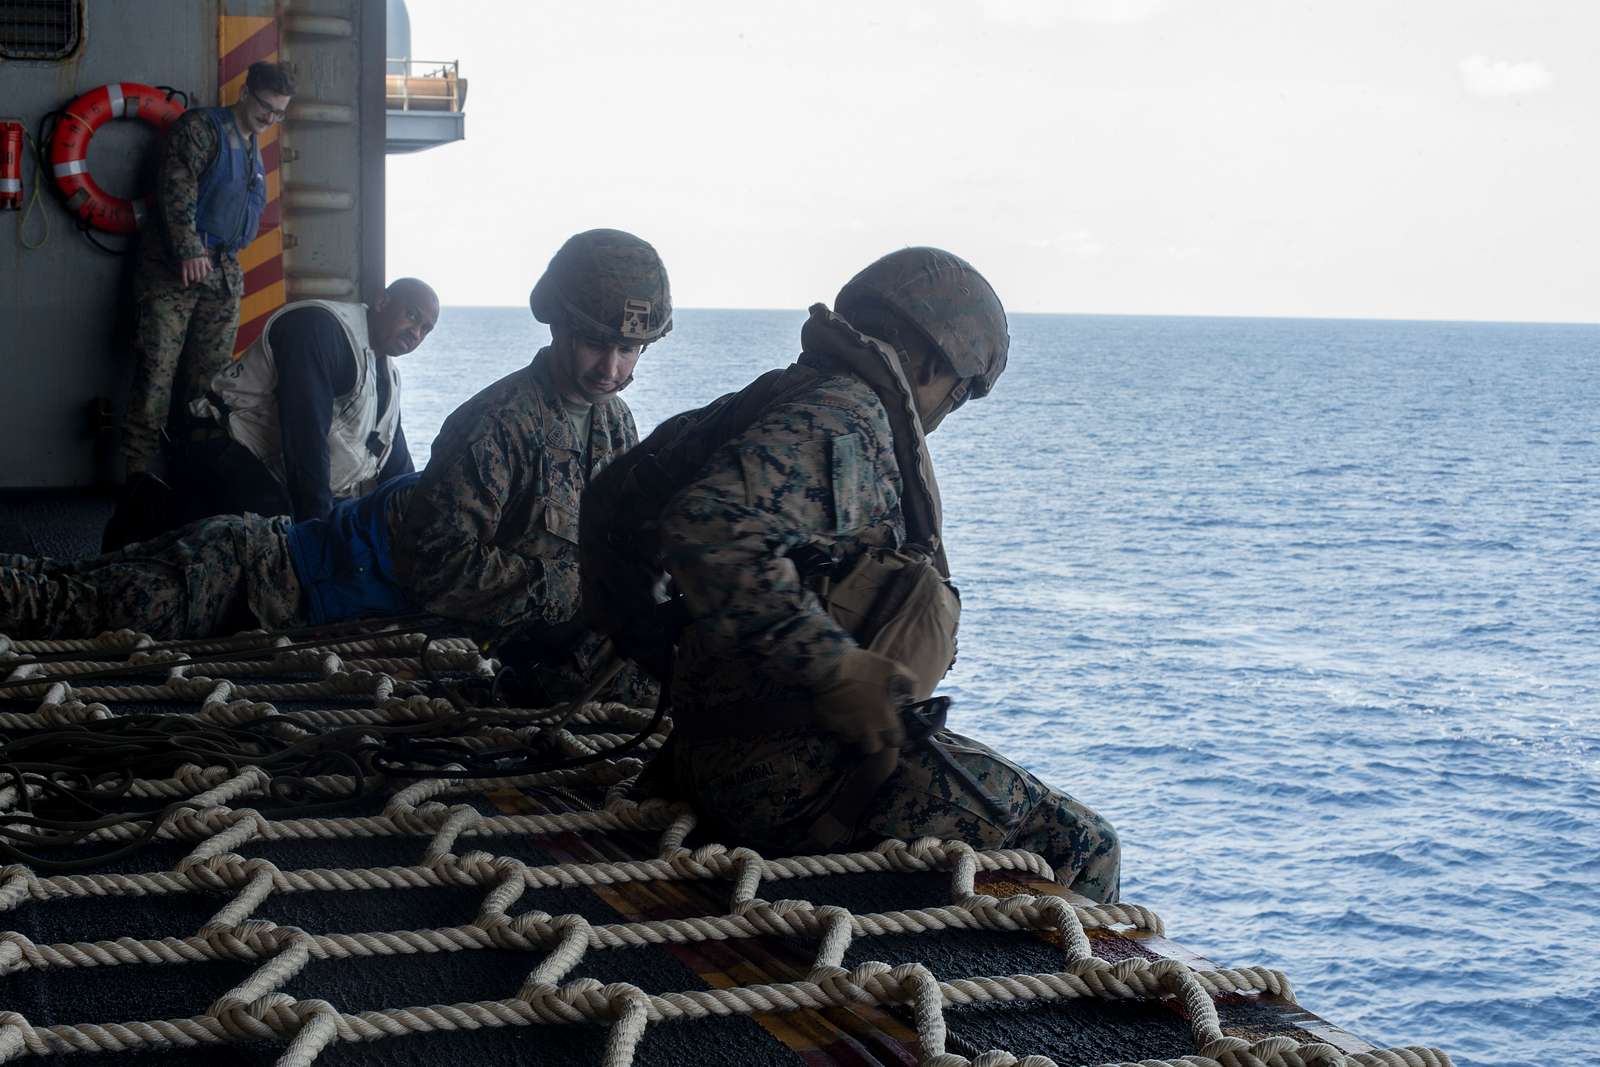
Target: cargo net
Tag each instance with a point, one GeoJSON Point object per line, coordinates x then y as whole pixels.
{"type": "Point", "coordinates": [384, 682]}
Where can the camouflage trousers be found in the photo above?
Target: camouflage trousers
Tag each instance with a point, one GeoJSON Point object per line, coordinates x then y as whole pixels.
{"type": "Point", "coordinates": [183, 336]}
{"type": "Point", "coordinates": [216, 576]}
{"type": "Point", "coordinates": [769, 791]}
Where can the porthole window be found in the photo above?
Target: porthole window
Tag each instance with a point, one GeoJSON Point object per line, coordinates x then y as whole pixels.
{"type": "Point", "coordinates": [40, 29]}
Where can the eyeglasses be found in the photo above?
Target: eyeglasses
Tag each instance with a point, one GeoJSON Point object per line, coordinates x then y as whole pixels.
{"type": "Point", "coordinates": [274, 114]}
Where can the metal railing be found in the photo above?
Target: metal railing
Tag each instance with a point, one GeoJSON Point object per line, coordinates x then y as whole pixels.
{"type": "Point", "coordinates": [424, 85]}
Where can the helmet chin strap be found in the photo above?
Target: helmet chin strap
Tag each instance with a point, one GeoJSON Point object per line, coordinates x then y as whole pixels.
{"type": "Point", "coordinates": [931, 421]}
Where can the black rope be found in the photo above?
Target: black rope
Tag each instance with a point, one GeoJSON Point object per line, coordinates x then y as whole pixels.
{"type": "Point", "coordinates": [171, 92]}
{"type": "Point", "coordinates": [518, 760]}
{"type": "Point", "coordinates": [47, 119]}
{"type": "Point", "coordinates": [88, 233]}
{"type": "Point", "coordinates": [264, 654]}
{"type": "Point", "coordinates": [74, 780]}
{"type": "Point", "coordinates": [260, 641]}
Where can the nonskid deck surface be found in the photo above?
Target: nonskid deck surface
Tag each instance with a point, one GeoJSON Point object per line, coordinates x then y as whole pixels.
{"type": "Point", "coordinates": [64, 523]}
{"type": "Point", "coordinates": [549, 918]}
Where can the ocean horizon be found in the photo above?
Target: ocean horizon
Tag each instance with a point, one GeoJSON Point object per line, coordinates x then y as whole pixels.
{"type": "Point", "coordinates": [1012, 312]}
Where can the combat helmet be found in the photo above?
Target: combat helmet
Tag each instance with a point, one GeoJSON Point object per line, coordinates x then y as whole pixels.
{"type": "Point", "coordinates": [607, 286]}
{"type": "Point", "coordinates": [946, 299]}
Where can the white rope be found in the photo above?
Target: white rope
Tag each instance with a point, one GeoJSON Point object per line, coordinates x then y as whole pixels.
{"type": "Point", "coordinates": [223, 827]}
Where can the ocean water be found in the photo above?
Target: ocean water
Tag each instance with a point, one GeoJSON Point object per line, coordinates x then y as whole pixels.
{"type": "Point", "coordinates": [1309, 609]}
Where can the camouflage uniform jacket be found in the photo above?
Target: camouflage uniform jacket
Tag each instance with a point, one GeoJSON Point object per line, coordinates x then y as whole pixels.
{"type": "Point", "coordinates": [490, 534]}
{"type": "Point", "coordinates": [819, 468]}
{"type": "Point", "coordinates": [189, 149]}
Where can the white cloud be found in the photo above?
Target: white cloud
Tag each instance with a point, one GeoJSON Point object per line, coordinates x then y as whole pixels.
{"type": "Point", "coordinates": [1483, 76]}
{"type": "Point", "coordinates": [1049, 12]}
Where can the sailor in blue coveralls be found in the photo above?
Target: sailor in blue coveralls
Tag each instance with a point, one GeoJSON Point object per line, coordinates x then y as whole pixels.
{"type": "Point", "coordinates": [210, 195]}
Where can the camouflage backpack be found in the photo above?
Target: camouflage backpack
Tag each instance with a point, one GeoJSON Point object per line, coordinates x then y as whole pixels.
{"type": "Point", "coordinates": [897, 601]}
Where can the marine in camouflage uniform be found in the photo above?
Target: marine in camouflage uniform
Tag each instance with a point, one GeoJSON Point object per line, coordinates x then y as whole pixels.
{"type": "Point", "coordinates": [490, 534]}
{"type": "Point", "coordinates": [219, 575]}
{"type": "Point", "coordinates": [184, 328]}
{"type": "Point", "coordinates": [491, 531]}
{"type": "Point", "coordinates": [774, 703]}
{"type": "Point", "coordinates": [486, 536]}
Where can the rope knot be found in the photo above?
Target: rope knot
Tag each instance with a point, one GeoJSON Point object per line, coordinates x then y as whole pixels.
{"type": "Point", "coordinates": [954, 850]}
{"type": "Point", "coordinates": [619, 803]}
{"type": "Point", "coordinates": [568, 939]}
{"type": "Point", "coordinates": [1164, 968]}
{"type": "Point", "coordinates": [17, 1037]}
{"type": "Point", "coordinates": [14, 948]}
{"type": "Point", "coordinates": [1128, 970]}
{"type": "Point", "coordinates": [1232, 1050]}
{"type": "Point", "coordinates": [536, 926]}
{"type": "Point", "coordinates": [536, 992]}
{"type": "Point", "coordinates": [709, 854]}
{"type": "Point", "coordinates": [1320, 1055]}
{"type": "Point", "coordinates": [357, 681]}
{"type": "Point", "coordinates": [123, 640]}
{"type": "Point", "coordinates": [620, 996]}
{"type": "Point", "coordinates": [743, 855]}
{"type": "Point", "coordinates": [213, 820]}
{"type": "Point", "coordinates": [654, 809]}
{"type": "Point", "coordinates": [764, 916]}
{"type": "Point", "coordinates": [249, 940]}
{"type": "Point", "coordinates": [702, 862]}
{"type": "Point", "coordinates": [486, 866]}
{"type": "Point", "coordinates": [146, 656]}
{"type": "Point", "coordinates": [257, 1020]}
{"type": "Point", "coordinates": [778, 909]}
{"type": "Point", "coordinates": [836, 982]}
{"type": "Point", "coordinates": [864, 976]}
{"type": "Point", "coordinates": [16, 885]}
{"type": "Point", "coordinates": [194, 778]}
{"type": "Point", "coordinates": [577, 992]}
{"type": "Point", "coordinates": [227, 870]}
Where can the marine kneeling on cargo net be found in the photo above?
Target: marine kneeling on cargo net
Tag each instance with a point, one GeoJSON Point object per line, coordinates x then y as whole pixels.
{"type": "Point", "coordinates": [799, 523]}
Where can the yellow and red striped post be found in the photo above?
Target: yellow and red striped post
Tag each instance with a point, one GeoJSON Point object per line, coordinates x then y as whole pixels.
{"type": "Point", "coordinates": [241, 41]}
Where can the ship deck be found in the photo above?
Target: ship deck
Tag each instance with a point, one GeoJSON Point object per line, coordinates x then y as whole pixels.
{"type": "Point", "coordinates": [547, 918]}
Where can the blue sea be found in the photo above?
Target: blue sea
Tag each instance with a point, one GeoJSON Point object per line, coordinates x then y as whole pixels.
{"type": "Point", "coordinates": [1308, 608]}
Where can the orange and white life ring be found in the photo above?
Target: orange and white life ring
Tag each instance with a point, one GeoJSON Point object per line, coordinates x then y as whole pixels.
{"type": "Point", "coordinates": [69, 150]}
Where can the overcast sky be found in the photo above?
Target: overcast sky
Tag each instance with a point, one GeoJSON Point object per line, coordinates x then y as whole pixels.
{"type": "Point", "coordinates": [1349, 158]}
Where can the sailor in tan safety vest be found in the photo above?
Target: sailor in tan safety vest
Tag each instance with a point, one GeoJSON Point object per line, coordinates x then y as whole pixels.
{"type": "Point", "coordinates": [308, 415]}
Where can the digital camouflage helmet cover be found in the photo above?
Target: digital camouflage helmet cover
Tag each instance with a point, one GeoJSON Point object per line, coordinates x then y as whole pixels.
{"type": "Point", "coordinates": [606, 286]}
{"type": "Point", "coordinates": [946, 300]}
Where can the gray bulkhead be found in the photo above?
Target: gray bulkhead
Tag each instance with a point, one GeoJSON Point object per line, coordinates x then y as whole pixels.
{"type": "Point", "coordinates": [66, 308]}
